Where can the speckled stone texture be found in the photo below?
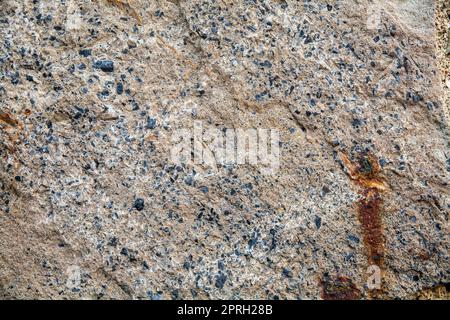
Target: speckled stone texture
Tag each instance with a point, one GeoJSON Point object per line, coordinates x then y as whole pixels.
{"type": "Point", "coordinates": [91, 205]}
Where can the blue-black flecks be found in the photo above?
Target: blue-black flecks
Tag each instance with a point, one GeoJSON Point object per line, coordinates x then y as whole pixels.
{"type": "Point", "coordinates": [104, 65]}
{"type": "Point", "coordinates": [119, 88]}
{"type": "Point", "coordinates": [113, 241]}
{"type": "Point", "coordinates": [287, 273]}
{"type": "Point", "coordinates": [204, 189]}
{"type": "Point", "coordinates": [151, 123]}
{"type": "Point", "coordinates": [139, 204]}
{"type": "Point", "coordinates": [318, 222]}
{"type": "Point", "coordinates": [353, 238]}
{"type": "Point", "coordinates": [220, 280]}
{"type": "Point", "coordinates": [85, 52]}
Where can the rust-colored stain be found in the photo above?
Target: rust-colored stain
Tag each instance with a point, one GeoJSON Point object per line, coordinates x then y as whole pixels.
{"type": "Point", "coordinates": [339, 288]}
{"type": "Point", "coordinates": [6, 118]}
{"type": "Point", "coordinates": [365, 172]}
{"type": "Point", "coordinates": [12, 130]}
{"type": "Point", "coordinates": [369, 209]}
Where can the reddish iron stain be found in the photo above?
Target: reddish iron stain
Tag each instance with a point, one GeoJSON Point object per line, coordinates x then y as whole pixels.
{"type": "Point", "coordinates": [365, 171]}
{"type": "Point", "coordinates": [13, 134]}
{"type": "Point", "coordinates": [340, 288]}
{"type": "Point", "coordinates": [369, 209]}
{"type": "Point", "coordinates": [6, 118]}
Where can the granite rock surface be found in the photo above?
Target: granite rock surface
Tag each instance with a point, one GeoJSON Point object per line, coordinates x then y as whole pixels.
{"type": "Point", "coordinates": [93, 205]}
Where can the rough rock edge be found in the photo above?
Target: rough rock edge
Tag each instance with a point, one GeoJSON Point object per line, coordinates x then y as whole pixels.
{"type": "Point", "coordinates": [443, 45]}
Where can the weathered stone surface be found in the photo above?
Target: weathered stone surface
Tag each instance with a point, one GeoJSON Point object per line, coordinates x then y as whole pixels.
{"type": "Point", "coordinates": [92, 205]}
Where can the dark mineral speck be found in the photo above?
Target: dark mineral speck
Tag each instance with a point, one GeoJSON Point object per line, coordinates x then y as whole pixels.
{"type": "Point", "coordinates": [85, 52]}
{"type": "Point", "coordinates": [318, 222]}
{"type": "Point", "coordinates": [139, 204]}
{"type": "Point", "coordinates": [220, 280]}
{"type": "Point", "coordinates": [287, 273]}
{"type": "Point", "coordinates": [104, 65]}
{"type": "Point", "coordinates": [151, 123]}
{"type": "Point", "coordinates": [119, 88]}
